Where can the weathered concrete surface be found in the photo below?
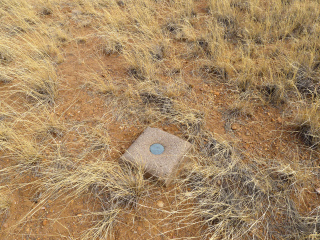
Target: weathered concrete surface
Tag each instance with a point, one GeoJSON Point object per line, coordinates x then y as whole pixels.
{"type": "Point", "coordinates": [165, 165]}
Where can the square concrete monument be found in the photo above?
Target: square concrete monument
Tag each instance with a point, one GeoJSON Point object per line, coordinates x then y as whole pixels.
{"type": "Point", "coordinates": [159, 152]}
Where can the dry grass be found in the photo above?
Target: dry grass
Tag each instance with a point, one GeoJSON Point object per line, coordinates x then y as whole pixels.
{"type": "Point", "coordinates": [237, 201]}
{"type": "Point", "coordinates": [308, 124]}
{"type": "Point", "coordinates": [115, 188]}
{"type": "Point", "coordinates": [4, 202]}
{"type": "Point", "coordinates": [160, 63]}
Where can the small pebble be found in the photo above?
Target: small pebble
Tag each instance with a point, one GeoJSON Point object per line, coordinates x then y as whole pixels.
{"type": "Point", "coordinates": [45, 222]}
{"type": "Point", "coordinates": [120, 3]}
{"type": "Point", "coordinates": [318, 190]}
{"type": "Point", "coordinates": [160, 204]}
{"type": "Point", "coordinates": [234, 126]}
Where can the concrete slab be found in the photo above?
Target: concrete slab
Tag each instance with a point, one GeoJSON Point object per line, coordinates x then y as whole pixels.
{"type": "Point", "coordinates": [162, 163]}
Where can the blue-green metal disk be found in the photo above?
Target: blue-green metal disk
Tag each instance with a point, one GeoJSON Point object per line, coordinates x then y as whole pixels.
{"type": "Point", "coordinates": [156, 149]}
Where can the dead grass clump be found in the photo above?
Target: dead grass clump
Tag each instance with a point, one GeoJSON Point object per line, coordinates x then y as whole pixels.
{"type": "Point", "coordinates": [113, 42]}
{"type": "Point", "coordinates": [142, 66]}
{"type": "Point", "coordinates": [112, 48]}
{"type": "Point", "coordinates": [98, 138]}
{"type": "Point", "coordinates": [190, 122]}
{"type": "Point", "coordinates": [5, 204]}
{"type": "Point", "coordinates": [161, 103]}
{"type": "Point", "coordinates": [103, 84]}
{"type": "Point", "coordinates": [158, 52]}
{"type": "Point", "coordinates": [287, 2]}
{"type": "Point", "coordinates": [243, 6]}
{"type": "Point", "coordinates": [232, 30]}
{"type": "Point", "coordinates": [214, 72]}
{"type": "Point", "coordinates": [214, 151]}
{"type": "Point", "coordinates": [308, 125]}
{"type": "Point", "coordinates": [241, 107]}
{"type": "Point", "coordinates": [45, 11]}
{"type": "Point", "coordinates": [137, 73]}
{"type": "Point", "coordinates": [178, 30]}
{"type": "Point", "coordinates": [172, 28]}
{"type": "Point", "coordinates": [48, 51]}
{"type": "Point", "coordinates": [284, 177]}
{"type": "Point", "coordinates": [201, 47]}
{"type": "Point", "coordinates": [50, 128]}
{"type": "Point", "coordinates": [40, 84]}
{"type": "Point", "coordinates": [306, 82]}
{"type": "Point", "coordinates": [228, 201]}
{"type": "Point", "coordinates": [61, 36]}
{"type": "Point", "coordinates": [6, 135]}
{"type": "Point", "coordinates": [247, 80]}
{"type": "Point", "coordinates": [54, 130]}
{"type": "Point", "coordinates": [5, 78]}
{"type": "Point", "coordinates": [6, 56]}
{"type": "Point", "coordinates": [19, 146]}
{"type": "Point", "coordinates": [274, 93]}
{"type": "Point", "coordinates": [227, 21]}
{"type": "Point", "coordinates": [235, 201]}
{"type": "Point", "coordinates": [114, 188]}
{"type": "Point", "coordinates": [27, 153]}
{"type": "Point", "coordinates": [300, 17]}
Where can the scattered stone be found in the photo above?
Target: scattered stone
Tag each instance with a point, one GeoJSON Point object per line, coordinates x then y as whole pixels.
{"type": "Point", "coordinates": [318, 190]}
{"type": "Point", "coordinates": [216, 93]}
{"type": "Point", "coordinates": [45, 222]}
{"type": "Point", "coordinates": [160, 204]}
{"type": "Point", "coordinates": [120, 3]}
{"type": "Point", "coordinates": [248, 134]}
{"type": "Point", "coordinates": [235, 126]}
